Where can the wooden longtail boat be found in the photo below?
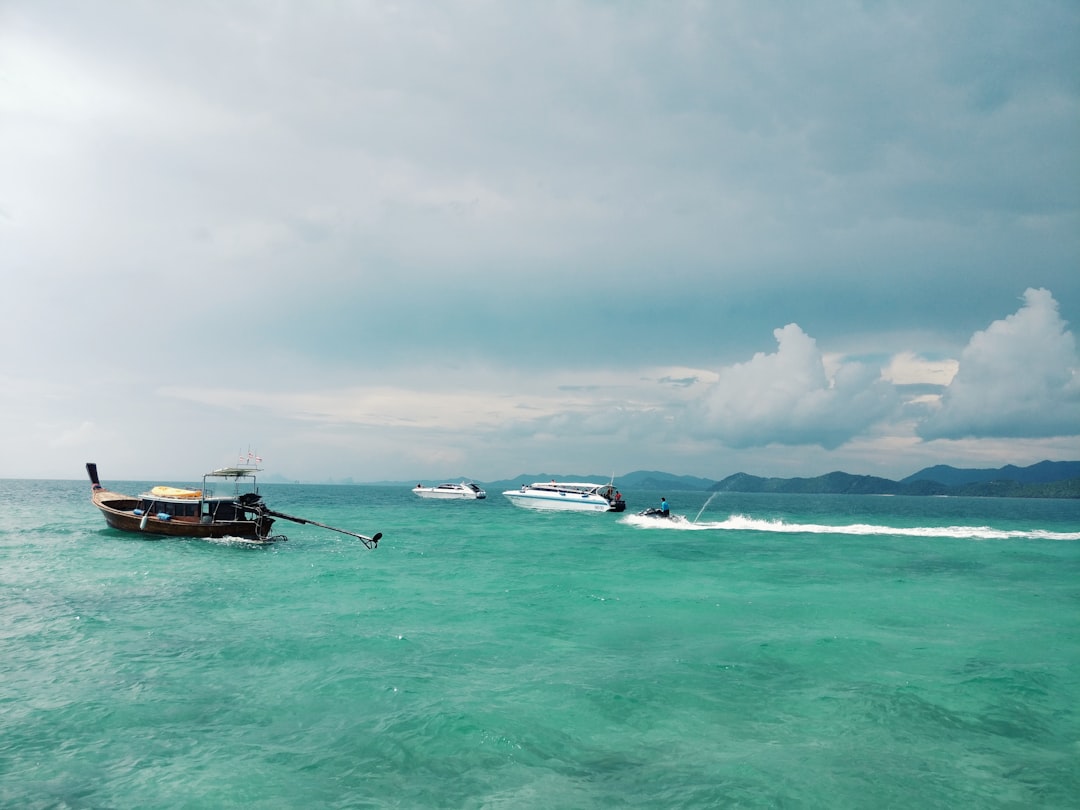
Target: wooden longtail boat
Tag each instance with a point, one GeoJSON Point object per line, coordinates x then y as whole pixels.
{"type": "Point", "coordinates": [228, 505]}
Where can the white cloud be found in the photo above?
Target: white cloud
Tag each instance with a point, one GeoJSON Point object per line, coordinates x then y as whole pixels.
{"type": "Point", "coordinates": [1020, 377]}
{"type": "Point", "coordinates": [790, 397]}
{"type": "Point", "coordinates": [908, 368]}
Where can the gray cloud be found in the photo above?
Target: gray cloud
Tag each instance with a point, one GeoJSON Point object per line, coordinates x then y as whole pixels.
{"type": "Point", "coordinates": [398, 194]}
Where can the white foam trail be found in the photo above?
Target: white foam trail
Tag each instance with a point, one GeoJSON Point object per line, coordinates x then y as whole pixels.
{"type": "Point", "coordinates": [230, 540]}
{"type": "Point", "coordinates": [744, 523]}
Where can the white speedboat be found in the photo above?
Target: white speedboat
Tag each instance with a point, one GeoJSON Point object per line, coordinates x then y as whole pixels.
{"type": "Point", "coordinates": [568, 496]}
{"type": "Point", "coordinates": [466, 490]}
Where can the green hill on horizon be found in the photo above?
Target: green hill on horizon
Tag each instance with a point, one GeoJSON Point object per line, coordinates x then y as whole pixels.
{"type": "Point", "coordinates": [1037, 481]}
{"type": "Point", "coordinates": [1046, 479]}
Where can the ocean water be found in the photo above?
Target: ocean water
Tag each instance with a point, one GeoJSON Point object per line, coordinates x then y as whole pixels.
{"type": "Point", "coordinates": [768, 651]}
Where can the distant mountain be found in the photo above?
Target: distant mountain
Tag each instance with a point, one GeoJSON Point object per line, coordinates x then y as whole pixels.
{"type": "Point", "coordinates": [652, 480]}
{"type": "Point", "coordinates": [1047, 479]}
{"type": "Point", "coordinates": [1044, 472]}
{"type": "Point", "coordinates": [834, 483]}
{"type": "Point", "coordinates": [275, 478]}
{"type": "Point", "coordinates": [640, 480]}
{"type": "Point", "coordinates": [531, 478]}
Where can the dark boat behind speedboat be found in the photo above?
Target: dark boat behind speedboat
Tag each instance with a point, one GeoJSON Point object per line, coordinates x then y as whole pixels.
{"type": "Point", "coordinates": [228, 505]}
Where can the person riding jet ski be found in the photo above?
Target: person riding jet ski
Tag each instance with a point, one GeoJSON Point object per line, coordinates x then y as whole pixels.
{"type": "Point", "coordinates": [663, 512]}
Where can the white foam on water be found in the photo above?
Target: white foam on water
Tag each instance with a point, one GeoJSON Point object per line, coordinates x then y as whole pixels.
{"type": "Point", "coordinates": [230, 540]}
{"type": "Point", "coordinates": [745, 523]}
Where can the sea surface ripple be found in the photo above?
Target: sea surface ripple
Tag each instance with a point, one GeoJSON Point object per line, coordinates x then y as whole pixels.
{"type": "Point", "coordinates": [796, 651]}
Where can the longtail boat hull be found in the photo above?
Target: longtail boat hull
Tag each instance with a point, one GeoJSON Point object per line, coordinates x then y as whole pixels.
{"type": "Point", "coordinates": [205, 513]}
{"type": "Point", "coordinates": [119, 514]}
{"type": "Point", "coordinates": [171, 512]}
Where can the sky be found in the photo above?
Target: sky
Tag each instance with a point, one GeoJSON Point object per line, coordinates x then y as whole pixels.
{"type": "Point", "coordinates": [420, 241]}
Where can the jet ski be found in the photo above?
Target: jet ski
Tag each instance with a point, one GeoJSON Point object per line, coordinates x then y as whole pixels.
{"type": "Point", "coordinates": [654, 512]}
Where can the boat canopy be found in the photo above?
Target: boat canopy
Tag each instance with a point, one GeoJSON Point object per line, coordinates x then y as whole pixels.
{"type": "Point", "coordinates": [568, 486]}
{"type": "Point", "coordinates": [234, 472]}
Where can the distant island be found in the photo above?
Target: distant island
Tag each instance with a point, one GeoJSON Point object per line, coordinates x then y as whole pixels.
{"type": "Point", "coordinates": [1047, 479]}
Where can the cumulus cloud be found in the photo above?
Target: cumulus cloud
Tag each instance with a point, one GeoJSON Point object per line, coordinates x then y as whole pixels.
{"type": "Point", "coordinates": [791, 397]}
{"type": "Point", "coordinates": [1020, 378]}
{"type": "Point", "coordinates": [908, 368]}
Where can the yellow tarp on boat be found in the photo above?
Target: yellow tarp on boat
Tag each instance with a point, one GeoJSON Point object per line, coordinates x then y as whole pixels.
{"type": "Point", "coordinates": [176, 492]}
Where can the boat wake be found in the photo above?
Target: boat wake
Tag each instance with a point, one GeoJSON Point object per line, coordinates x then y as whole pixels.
{"type": "Point", "coordinates": [743, 523]}
{"type": "Point", "coordinates": [230, 540]}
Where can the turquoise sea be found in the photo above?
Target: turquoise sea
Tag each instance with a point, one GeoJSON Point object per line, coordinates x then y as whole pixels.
{"type": "Point", "coordinates": [781, 651]}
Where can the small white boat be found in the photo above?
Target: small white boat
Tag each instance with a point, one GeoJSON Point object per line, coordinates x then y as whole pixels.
{"type": "Point", "coordinates": [466, 490]}
{"type": "Point", "coordinates": [568, 496]}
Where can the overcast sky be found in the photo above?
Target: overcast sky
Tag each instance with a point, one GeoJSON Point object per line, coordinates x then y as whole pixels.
{"type": "Point", "coordinates": [427, 240]}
